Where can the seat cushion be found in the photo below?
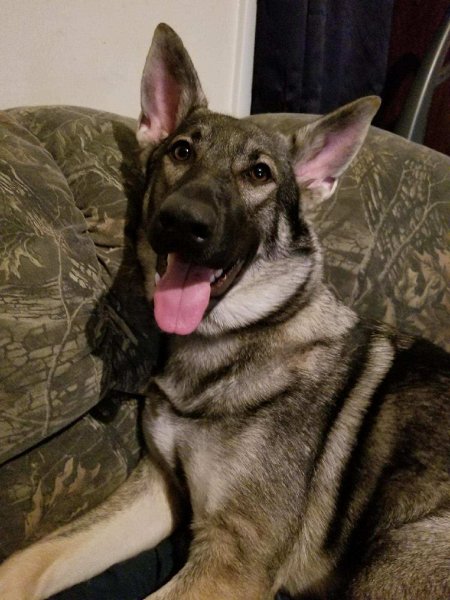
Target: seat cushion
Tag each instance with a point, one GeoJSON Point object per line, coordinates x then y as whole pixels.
{"type": "Point", "coordinates": [75, 328]}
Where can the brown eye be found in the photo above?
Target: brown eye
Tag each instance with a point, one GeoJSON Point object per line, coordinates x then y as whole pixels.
{"type": "Point", "coordinates": [260, 173]}
{"type": "Point", "coordinates": [181, 150]}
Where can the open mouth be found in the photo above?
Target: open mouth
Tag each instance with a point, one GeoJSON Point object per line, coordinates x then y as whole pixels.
{"type": "Point", "coordinates": [220, 280]}
{"type": "Point", "coordinates": [223, 279]}
{"type": "Point", "coordinates": [184, 290]}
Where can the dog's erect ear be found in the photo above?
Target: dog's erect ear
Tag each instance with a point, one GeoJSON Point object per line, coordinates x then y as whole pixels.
{"type": "Point", "coordinates": [324, 149]}
{"type": "Point", "coordinates": [170, 87]}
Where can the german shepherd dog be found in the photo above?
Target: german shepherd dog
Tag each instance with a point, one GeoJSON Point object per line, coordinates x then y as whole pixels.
{"type": "Point", "coordinates": [313, 448]}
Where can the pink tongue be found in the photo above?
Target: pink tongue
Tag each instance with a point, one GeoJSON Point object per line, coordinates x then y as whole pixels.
{"type": "Point", "coordinates": [182, 296]}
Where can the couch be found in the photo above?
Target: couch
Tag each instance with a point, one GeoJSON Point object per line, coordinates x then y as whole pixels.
{"type": "Point", "coordinates": [77, 337]}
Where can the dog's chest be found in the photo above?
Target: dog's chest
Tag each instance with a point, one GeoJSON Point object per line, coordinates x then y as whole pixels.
{"type": "Point", "coordinates": [195, 449]}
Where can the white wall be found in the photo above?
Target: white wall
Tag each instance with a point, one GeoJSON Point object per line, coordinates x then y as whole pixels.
{"type": "Point", "coordinates": [91, 52]}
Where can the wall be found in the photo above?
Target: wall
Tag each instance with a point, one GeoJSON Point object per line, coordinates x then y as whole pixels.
{"type": "Point", "coordinates": [91, 52]}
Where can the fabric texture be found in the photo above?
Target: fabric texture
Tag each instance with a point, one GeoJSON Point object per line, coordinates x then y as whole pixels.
{"type": "Point", "coordinates": [75, 328]}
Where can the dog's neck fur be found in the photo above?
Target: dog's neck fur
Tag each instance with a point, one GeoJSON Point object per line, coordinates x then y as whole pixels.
{"type": "Point", "coordinates": [188, 380]}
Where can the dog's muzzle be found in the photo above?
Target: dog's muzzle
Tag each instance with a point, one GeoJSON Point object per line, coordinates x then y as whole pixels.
{"type": "Point", "coordinates": [203, 242]}
{"type": "Point", "coordinates": [186, 226]}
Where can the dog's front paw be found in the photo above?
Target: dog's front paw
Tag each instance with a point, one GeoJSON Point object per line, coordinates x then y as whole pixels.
{"type": "Point", "coordinates": [20, 577]}
{"type": "Point", "coordinates": [14, 581]}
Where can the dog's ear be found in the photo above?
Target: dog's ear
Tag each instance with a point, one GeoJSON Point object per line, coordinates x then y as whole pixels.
{"type": "Point", "coordinates": [170, 87]}
{"type": "Point", "coordinates": [324, 148]}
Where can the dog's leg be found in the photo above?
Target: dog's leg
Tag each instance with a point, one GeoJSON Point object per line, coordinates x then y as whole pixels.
{"type": "Point", "coordinates": [136, 517]}
{"type": "Point", "coordinates": [208, 581]}
{"type": "Point", "coordinates": [412, 561]}
{"type": "Point", "coordinates": [219, 568]}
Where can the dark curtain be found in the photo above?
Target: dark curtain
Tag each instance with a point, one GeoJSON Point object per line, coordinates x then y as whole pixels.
{"type": "Point", "coordinates": [315, 55]}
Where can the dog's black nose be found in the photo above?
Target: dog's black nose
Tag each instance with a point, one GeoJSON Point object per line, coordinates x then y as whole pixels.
{"type": "Point", "coordinates": [186, 223]}
{"type": "Point", "coordinates": [191, 224]}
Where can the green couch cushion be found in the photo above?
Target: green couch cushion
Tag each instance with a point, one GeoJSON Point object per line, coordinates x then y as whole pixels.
{"type": "Point", "coordinates": [49, 283]}
{"type": "Point", "coordinates": [66, 474]}
{"type": "Point", "coordinates": [74, 323]}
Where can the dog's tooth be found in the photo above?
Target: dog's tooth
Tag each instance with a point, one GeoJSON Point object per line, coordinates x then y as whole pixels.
{"type": "Point", "coordinates": [170, 259]}
{"type": "Point", "coordinates": [157, 278]}
{"type": "Point", "coordinates": [218, 273]}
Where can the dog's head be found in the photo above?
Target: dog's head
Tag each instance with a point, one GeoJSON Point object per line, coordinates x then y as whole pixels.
{"type": "Point", "coordinates": [222, 209]}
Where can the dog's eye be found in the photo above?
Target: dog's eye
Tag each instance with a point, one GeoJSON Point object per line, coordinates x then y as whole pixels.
{"type": "Point", "coordinates": [260, 173]}
{"type": "Point", "coordinates": [181, 150]}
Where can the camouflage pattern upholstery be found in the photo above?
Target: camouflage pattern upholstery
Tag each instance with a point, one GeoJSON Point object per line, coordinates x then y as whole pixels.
{"type": "Point", "coordinates": [77, 338]}
{"type": "Point", "coordinates": [74, 326]}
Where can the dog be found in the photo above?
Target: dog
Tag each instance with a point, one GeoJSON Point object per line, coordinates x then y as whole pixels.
{"type": "Point", "coordinates": [313, 448]}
